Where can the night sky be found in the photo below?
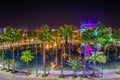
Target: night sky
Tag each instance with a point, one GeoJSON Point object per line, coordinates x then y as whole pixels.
{"type": "Point", "coordinates": [29, 14]}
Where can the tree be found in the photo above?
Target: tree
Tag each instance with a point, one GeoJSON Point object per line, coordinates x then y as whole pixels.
{"type": "Point", "coordinates": [69, 33]}
{"type": "Point", "coordinates": [56, 40]}
{"type": "Point", "coordinates": [116, 37]}
{"type": "Point", "coordinates": [3, 38]}
{"type": "Point", "coordinates": [74, 63]}
{"type": "Point", "coordinates": [14, 35]}
{"type": "Point", "coordinates": [106, 38]}
{"type": "Point", "coordinates": [31, 35]}
{"type": "Point", "coordinates": [86, 37]}
{"type": "Point", "coordinates": [62, 33]}
{"type": "Point", "coordinates": [96, 57]}
{"type": "Point", "coordinates": [44, 36]}
{"type": "Point", "coordinates": [26, 57]}
{"type": "Point", "coordinates": [102, 33]}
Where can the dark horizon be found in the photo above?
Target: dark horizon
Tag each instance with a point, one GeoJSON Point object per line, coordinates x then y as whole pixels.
{"type": "Point", "coordinates": [33, 14]}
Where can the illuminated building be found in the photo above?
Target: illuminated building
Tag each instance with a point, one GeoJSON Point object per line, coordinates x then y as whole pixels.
{"type": "Point", "coordinates": [84, 26]}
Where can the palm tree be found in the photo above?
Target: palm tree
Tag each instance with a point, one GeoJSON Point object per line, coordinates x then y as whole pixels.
{"type": "Point", "coordinates": [96, 57]}
{"type": "Point", "coordinates": [69, 31]}
{"type": "Point", "coordinates": [26, 57]}
{"type": "Point", "coordinates": [31, 35]}
{"type": "Point", "coordinates": [106, 38]}
{"type": "Point", "coordinates": [74, 63]}
{"type": "Point", "coordinates": [54, 38]}
{"type": "Point", "coordinates": [66, 32]}
{"type": "Point", "coordinates": [34, 36]}
{"type": "Point", "coordinates": [86, 37]}
{"type": "Point", "coordinates": [2, 41]}
{"type": "Point", "coordinates": [14, 36]}
{"type": "Point", "coordinates": [101, 34]}
{"type": "Point", "coordinates": [116, 37]}
{"type": "Point", "coordinates": [44, 36]}
{"type": "Point", "coordinates": [62, 33]}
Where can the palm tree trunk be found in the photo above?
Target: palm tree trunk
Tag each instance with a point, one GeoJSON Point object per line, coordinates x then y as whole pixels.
{"type": "Point", "coordinates": [3, 56]}
{"type": "Point", "coordinates": [116, 48]}
{"type": "Point", "coordinates": [69, 50]}
{"type": "Point", "coordinates": [56, 59]}
{"type": "Point", "coordinates": [17, 51]}
{"type": "Point", "coordinates": [74, 71]}
{"type": "Point", "coordinates": [72, 44]}
{"type": "Point", "coordinates": [13, 58]}
{"type": "Point", "coordinates": [41, 47]}
{"type": "Point", "coordinates": [62, 59]}
{"type": "Point", "coordinates": [108, 52]}
{"type": "Point", "coordinates": [44, 59]}
{"type": "Point", "coordinates": [94, 63]}
{"type": "Point", "coordinates": [8, 66]}
{"type": "Point", "coordinates": [27, 67]}
{"type": "Point", "coordinates": [36, 61]}
{"type": "Point", "coordinates": [84, 65]}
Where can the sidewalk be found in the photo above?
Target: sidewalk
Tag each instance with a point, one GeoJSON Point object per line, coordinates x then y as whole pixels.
{"type": "Point", "coordinates": [54, 75]}
{"type": "Point", "coordinates": [20, 76]}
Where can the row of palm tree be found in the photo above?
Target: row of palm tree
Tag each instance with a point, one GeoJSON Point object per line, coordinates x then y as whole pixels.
{"type": "Point", "coordinates": [100, 34]}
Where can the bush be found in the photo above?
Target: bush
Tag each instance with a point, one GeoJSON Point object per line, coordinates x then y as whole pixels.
{"type": "Point", "coordinates": [27, 74]}
{"type": "Point", "coordinates": [84, 76]}
{"type": "Point", "coordinates": [61, 76]}
{"type": "Point", "coordinates": [74, 76]}
{"type": "Point", "coordinates": [8, 70]}
{"type": "Point", "coordinates": [3, 69]}
{"type": "Point", "coordinates": [44, 75]}
{"type": "Point", "coordinates": [118, 72]}
{"type": "Point", "coordinates": [93, 75]}
{"type": "Point", "coordinates": [13, 72]}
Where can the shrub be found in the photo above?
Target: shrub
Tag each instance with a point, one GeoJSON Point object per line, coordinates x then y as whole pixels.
{"type": "Point", "coordinates": [84, 76]}
{"type": "Point", "coordinates": [27, 74]}
{"type": "Point", "coordinates": [8, 70]}
{"type": "Point", "coordinates": [13, 72]}
{"type": "Point", "coordinates": [3, 69]}
{"type": "Point", "coordinates": [74, 76]}
{"type": "Point", "coordinates": [44, 75]}
{"type": "Point", "coordinates": [61, 76]}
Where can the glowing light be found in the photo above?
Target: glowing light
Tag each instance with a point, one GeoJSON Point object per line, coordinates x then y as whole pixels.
{"type": "Point", "coordinates": [54, 45]}
{"type": "Point", "coordinates": [53, 65]}
{"type": "Point", "coordinates": [47, 46]}
{"type": "Point", "coordinates": [50, 45]}
{"type": "Point", "coordinates": [32, 39]}
{"type": "Point", "coordinates": [90, 27]}
{"type": "Point", "coordinates": [64, 55]}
